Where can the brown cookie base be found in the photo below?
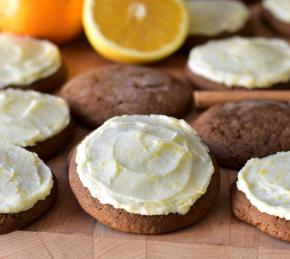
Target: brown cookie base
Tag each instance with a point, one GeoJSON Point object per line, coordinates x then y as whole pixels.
{"type": "Point", "coordinates": [50, 147]}
{"type": "Point", "coordinates": [135, 223]}
{"type": "Point", "coordinates": [238, 131]}
{"type": "Point", "coordinates": [114, 90]}
{"type": "Point", "coordinates": [12, 221]}
{"type": "Point", "coordinates": [202, 83]}
{"type": "Point", "coordinates": [243, 210]}
{"type": "Point", "coordinates": [193, 40]}
{"type": "Point", "coordinates": [279, 26]}
{"type": "Point", "coordinates": [47, 84]}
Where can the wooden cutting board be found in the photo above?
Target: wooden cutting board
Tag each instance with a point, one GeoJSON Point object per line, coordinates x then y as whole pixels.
{"type": "Point", "coordinates": [67, 232]}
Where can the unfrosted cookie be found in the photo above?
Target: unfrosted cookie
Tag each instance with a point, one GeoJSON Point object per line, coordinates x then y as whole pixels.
{"type": "Point", "coordinates": [240, 63]}
{"type": "Point", "coordinates": [238, 131]}
{"type": "Point", "coordinates": [39, 122]}
{"type": "Point", "coordinates": [29, 63]}
{"type": "Point", "coordinates": [216, 19]}
{"type": "Point", "coordinates": [102, 93]}
{"type": "Point", "coordinates": [277, 14]}
{"type": "Point", "coordinates": [27, 188]}
{"type": "Point", "coordinates": [152, 173]}
{"type": "Point", "coordinates": [261, 195]}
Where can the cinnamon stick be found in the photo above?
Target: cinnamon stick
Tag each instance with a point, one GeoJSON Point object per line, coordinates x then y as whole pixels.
{"type": "Point", "coordinates": [204, 99]}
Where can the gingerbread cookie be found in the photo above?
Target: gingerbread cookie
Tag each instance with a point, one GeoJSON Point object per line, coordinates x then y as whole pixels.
{"type": "Point", "coordinates": [151, 172]}
{"type": "Point", "coordinates": [277, 15]}
{"type": "Point", "coordinates": [212, 20]}
{"type": "Point", "coordinates": [261, 195]}
{"type": "Point", "coordinates": [29, 63]}
{"type": "Point", "coordinates": [240, 63]}
{"type": "Point", "coordinates": [238, 131]}
{"type": "Point", "coordinates": [102, 93]}
{"type": "Point", "coordinates": [38, 122]}
{"type": "Point", "coordinates": [27, 188]}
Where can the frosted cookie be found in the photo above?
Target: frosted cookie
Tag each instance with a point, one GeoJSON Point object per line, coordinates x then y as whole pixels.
{"type": "Point", "coordinates": [102, 93]}
{"type": "Point", "coordinates": [39, 122]}
{"type": "Point", "coordinates": [27, 188]}
{"type": "Point", "coordinates": [277, 14]}
{"type": "Point", "coordinates": [29, 63]}
{"type": "Point", "coordinates": [238, 131]}
{"type": "Point", "coordinates": [216, 19]}
{"type": "Point", "coordinates": [152, 173]}
{"type": "Point", "coordinates": [240, 63]}
{"type": "Point", "coordinates": [261, 194]}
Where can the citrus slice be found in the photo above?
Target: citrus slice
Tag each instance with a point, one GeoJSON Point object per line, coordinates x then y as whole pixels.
{"type": "Point", "coordinates": [135, 31]}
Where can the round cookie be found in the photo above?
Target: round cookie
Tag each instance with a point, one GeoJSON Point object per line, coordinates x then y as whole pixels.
{"type": "Point", "coordinates": [276, 14]}
{"type": "Point", "coordinates": [260, 195]}
{"type": "Point", "coordinates": [20, 172]}
{"type": "Point", "coordinates": [47, 84]}
{"type": "Point", "coordinates": [102, 93]}
{"type": "Point", "coordinates": [240, 63]}
{"type": "Point", "coordinates": [29, 63]}
{"type": "Point", "coordinates": [243, 210]}
{"type": "Point", "coordinates": [215, 20]}
{"type": "Point", "coordinates": [148, 192]}
{"type": "Point", "coordinates": [238, 131]}
{"type": "Point", "coordinates": [39, 122]}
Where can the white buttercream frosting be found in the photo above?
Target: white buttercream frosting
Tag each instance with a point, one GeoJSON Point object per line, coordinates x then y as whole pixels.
{"type": "Point", "coordinates": [149, 165]}
{"type": "Point", "coordinates": [278, 8]}
{"type": "Point", "coordinates": [211, 17]}
{"type": "Point", "coordinates": [243, 62]}
{"type": "Point", "coordinates": [24, 60]}
{"type": "Point", "coordinates": [24, 179]}
{"type": "Point", "coordinates": [29, 117]}
{"type": "Point", "coordinates": [266, 184]}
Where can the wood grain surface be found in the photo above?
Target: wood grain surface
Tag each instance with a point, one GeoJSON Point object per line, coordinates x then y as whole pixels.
{"type": "Point", "coordinates": [68, 232]}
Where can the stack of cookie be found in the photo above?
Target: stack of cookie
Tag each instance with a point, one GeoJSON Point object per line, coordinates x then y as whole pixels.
{"type": "Point", "coordinates": [143, 169]}
{"type": "Point", "coordinates": [33, 125]}
{"type": "Point", "coordinates": [250, 136]}
{"type": "Point", "coordinates": [153, 172]}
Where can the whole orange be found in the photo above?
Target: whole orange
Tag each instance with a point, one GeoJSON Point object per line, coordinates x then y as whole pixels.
{"type": "Point", "coordinates": [56, 20]}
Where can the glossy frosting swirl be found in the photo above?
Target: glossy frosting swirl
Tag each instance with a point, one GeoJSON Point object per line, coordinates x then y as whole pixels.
{"type": "Point", "coordinates": [211, 17]}
{"type": "Point", "coordinates": [24, 179]}
{"type": "Point", "coordinates": [266, 184]}
{"type": "Point", "coordinates": [29, 117]}
{"type": "Point", "coordinates": [243, 62]}
{"type": "Point", "coordinates": [24, 60]}
{"type": "Point", "coordinates": [150, 165]}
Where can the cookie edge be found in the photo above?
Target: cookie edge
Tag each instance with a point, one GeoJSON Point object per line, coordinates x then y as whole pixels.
{"type": "Point", "coordinates": [145, 224]}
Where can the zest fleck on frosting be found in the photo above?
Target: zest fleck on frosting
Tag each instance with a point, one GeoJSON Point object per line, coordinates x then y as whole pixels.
{"type": "Point", "coordinates": [149, 165]}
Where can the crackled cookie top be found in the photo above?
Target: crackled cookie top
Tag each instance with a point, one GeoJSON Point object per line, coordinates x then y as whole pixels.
{"type": "Point", "coordinates": [242, 62]}
{"type": "Point", "coordinates": [210, 18]}
{"type": "Point", "coordinates": [24, 60]}
{"type": "Point", "coordinates": [238, 131]}
{"type": "Point", "coordinates": [102, 93]}
{"type": "Point", "coordinates": [24, 179]}
{"type": "Point", "coordinates": [266, 184]}
{"type": "Point", "coordinates": [29, 117]}
{"type": "Point", "coordinates": [149, 165]}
